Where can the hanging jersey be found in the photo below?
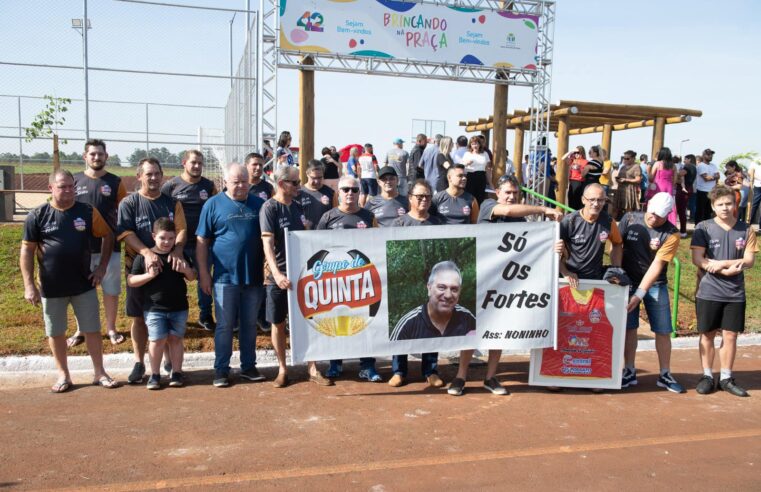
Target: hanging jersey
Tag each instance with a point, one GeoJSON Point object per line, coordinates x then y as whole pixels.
{"type": "Point", "coordinates": [585, 339]}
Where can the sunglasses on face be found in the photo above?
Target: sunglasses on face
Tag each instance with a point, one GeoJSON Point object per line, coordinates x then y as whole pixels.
{"type": "Point", "coordinates": [422, 197]}
{"type": "Point", "coordinates": [353, 189]}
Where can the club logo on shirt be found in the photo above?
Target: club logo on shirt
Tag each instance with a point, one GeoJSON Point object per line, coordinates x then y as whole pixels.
{"type": "Point", "coordinates": [203, 194]}
{"type": "Point", "coordinates": [80, 224]}
{"type": "Point", "coordinates": [466, 210]}
{"type": "Point", "coordinates": [263, 195]}
{"type": "Point", "coordinates": [603, 236]}
{"type": "Point", "coordinates": [595, 316]}
{"type": "Point", "coordinates": [105, 190]}
{"type": "Point", "coordinates": [740, 243]}
{"type": "Point", "coordinates": [325, 200]}
{"type": "Point", "coordinates": [171, 216]}
{"type": "Point", "coordinates": [361, 225]}
{"type": "Point", "coordinates": [400, 211]}
{"type": "Point", "coordinates": [655, 243]}
{"type": "Point", "coordinates": [339, 293]}
{"type": "Point", "coordinates": [574, 341]}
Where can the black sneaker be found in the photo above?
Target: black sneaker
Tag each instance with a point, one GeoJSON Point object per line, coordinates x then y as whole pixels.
{"type": "Point", "coordinates": [221, 380]}
{"type": "Point", "coordinates": [207, 323]}
{"type": "Point", "coordinates": [493, 385]}
{"type": "Point", "coordinates": [154, 382]}
{"type": "Point", "coordinates": [706, 385]}
{"type": "Point", "coordinates": [456, 387]}
{"type": "Point", "coordinates": [137, 374]}
{"type": "Point", "coordinates": [177, 380]}
{"type": "Point", "coordinates": [729, 386]}
{"type": "Point", "coordinates": [252, 374]}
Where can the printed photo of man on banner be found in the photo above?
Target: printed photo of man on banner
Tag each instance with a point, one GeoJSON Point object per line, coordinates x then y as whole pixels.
{"type": "Point", "coordinates": [387, 291]}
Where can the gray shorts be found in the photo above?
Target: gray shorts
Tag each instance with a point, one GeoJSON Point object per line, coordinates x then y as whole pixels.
{"type": "Point", "coordinates": [112, 281]}
{"type": "Point", "coordinates": [86, 312]}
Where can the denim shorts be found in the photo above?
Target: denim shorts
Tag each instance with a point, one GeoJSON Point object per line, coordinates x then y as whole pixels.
{"type": "Point", "coordinates": [657, 307]}
{"type": "Point", "coordinates": [161, 324]}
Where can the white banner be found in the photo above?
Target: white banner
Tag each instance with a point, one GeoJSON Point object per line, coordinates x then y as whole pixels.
{"type": "Point", "coordinates": [410, 31]}
{"type": "Point", "coordinates": [401, 290]}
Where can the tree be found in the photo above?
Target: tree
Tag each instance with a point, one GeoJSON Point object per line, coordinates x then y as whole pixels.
{"type": "Point", "coordinates": [114, 160]}
{"type": "Point", "coordinates": [46, 124]}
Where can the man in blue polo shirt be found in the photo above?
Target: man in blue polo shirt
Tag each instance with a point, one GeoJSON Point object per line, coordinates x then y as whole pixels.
{"type": "Point", "coordinates": [229, 228]}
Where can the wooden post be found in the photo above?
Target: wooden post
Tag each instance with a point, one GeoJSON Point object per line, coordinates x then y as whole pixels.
{"type": "Point", "coordinates": [607, 137]}
{"type": "Point", "coordinates": [500, 130]}
{"type": "Point", "coordinates": [56, 154]}
{"type": "Point", "coordinates": [659, 132]}
{"type": "Point", "coordinates": [518, 153]}
{"type": "Point", "coordinates": [562, 169]}
{"type": "Point", "coordinates": [306, 117]}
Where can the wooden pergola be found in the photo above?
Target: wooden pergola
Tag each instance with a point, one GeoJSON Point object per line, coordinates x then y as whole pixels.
{"type": "Point", "coordinates": [580, 118]}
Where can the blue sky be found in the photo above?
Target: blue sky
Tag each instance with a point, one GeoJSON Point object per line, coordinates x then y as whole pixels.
{"type": "Point", "coordinates": [694, 54]}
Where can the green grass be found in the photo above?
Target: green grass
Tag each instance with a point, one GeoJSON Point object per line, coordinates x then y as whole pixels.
{"type": "Point", "coordinates": [45, 168]}
{"type": "Point", "coordinates": [22, 330]}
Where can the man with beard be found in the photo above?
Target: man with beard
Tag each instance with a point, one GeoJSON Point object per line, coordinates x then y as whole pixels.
{"type": "Point", "coordinates": [103, 191]}
{"type": "Point", "coordinates": [259, 186]}
{"type": "Point", "coordinates": [192, 190]}
{"type": "Point", "coordinates": [454, 204]}
{"type": "Point", "coordinates": [314, 197]}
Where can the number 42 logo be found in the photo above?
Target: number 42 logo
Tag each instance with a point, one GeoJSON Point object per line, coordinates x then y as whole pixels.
{"type": "Point", "coordinates": [311, 21]}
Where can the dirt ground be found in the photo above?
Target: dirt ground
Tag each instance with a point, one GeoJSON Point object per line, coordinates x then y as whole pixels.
{"type": "Point", "coordinates": [364, 436]}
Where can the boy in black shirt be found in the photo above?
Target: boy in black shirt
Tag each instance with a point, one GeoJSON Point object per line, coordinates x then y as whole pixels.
{"type": "Point", "coordinates": [165, 302]}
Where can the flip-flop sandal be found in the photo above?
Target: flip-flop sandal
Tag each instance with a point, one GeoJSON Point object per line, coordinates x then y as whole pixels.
{"type": "Point", "coordinates": [116, 338]}
{"type": "Point", "coordinates": [75, 340]}
{"type": "Point", "coordinates": [106, 382]}
{"type": "Point", "coordinates": [61, 386]}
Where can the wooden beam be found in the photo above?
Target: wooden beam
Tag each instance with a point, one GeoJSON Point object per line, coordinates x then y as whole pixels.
{"type": "Point", "coordinates": [629, 108]}
{"type": "Point", "coordinates": [562, 169]}
{"type": "Point", "coordinates": [659, 133]}
{"type": "Point", "coordinates": [519, 120]}
{"type": "Point", "coordinates": [607, 137]}
{"type": "Point", "coordinates": [306, 117]}
{"type": "Point", "coordinates": [631, 125]}
{"type": "Point", "coordinates": [518, 154]}
{"type": "Point", "coordinates": [500, 129]}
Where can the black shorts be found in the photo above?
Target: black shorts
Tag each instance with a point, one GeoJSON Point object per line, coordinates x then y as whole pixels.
{"type": "Point", "coordinates": [715, 315]}
{"type": "Point", "coordinates": [134, 302]}
{"type": "Point", "coordinates": [277, 304]}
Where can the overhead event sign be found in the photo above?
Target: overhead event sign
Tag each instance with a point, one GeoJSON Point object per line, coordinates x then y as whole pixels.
{"type": "Point", "coordinates": [410, 31]}
{"type": "Point", "coordinates": [399, 290]}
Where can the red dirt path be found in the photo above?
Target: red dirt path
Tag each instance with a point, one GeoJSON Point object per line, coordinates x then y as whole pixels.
{"type": "Point", "coordinates": [364, 436]}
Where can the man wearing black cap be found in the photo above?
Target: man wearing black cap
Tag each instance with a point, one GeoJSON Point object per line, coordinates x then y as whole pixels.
{"type": "Point", "coordinates": [707, 179]}
{"type": "Point", "coordinates": [389, 205]}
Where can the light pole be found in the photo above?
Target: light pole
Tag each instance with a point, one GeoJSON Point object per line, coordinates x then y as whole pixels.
{"type": "Point", "coordinates": [680, 147]}
{"type": "Point", "coordinates": [79, 26]}
{"type": "Point", "coordinates": [231, 49]}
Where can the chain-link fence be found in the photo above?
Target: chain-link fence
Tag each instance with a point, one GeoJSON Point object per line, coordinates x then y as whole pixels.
{"type": "Point", "coordinates": [148, 77]}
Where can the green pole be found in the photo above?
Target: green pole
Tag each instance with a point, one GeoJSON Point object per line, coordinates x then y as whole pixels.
{"type": "Point", "coordinates": [548, 200]}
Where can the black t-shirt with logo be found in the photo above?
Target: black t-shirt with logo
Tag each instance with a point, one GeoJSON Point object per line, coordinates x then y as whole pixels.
{"type": "Point", "coordinates": [263, 189]}
{"type": "Point", "coordinates": [485, 213]}
{"type": "Point", "coordinates": [103, 193]}
{"type": "Point", "coordinates": [407, 221]}
{"type": "Point", "coordinates": [386, 211]}
{"type": "Point", "coordinates": [63, 246]}
{"type": "Point", "coordinates": [274, 218]}
{"type": "Point", "coordinates": [454, 209]}
{"type": "Point", "coordinates": [137, 213]}
{"type": "Point", "coordinates": [315, 203]}
{"type": "Point", "coordinates": [642, 245]}
{"type": "Point", "coordinates": [192, 196]}
{"type": "Point", "coordinates": [166, 291]}
{"type": "Point", "coordinates": [417, 324]}
{"type": "Point", "coordinates": [585, 242]}
{"type": "Point", "coordinates": [336, 219]}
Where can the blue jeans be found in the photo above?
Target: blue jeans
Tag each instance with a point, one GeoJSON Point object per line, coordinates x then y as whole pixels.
{"type": "Point", "coordinates": [233, 303]}
{"type": "Point", "coordinates": [204, 300]}
{"type": "Point", "coordinates": [692, 207]}
{"type": "Point", "coordinates": [658, 311]}
{"type": "Point", "coordinates": [756, 203]}
{"type": "Point", "coordinates": [429, 364]}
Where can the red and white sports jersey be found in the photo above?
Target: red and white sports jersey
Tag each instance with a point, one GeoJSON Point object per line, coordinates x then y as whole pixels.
{"type": "Point", "coordinates": [585, 339]}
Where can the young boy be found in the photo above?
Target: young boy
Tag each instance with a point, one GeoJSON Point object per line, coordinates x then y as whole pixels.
{"type": "Point", "coordinates": [723, 248]}
{"type": "Point", "coordinates": [165, 302]}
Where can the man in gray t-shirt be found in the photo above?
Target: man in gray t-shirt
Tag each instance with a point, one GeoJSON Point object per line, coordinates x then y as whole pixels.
{"type": "Point", "coordinates": [389, 205]}
{"type": "Point", "coordinates": [397, 158]}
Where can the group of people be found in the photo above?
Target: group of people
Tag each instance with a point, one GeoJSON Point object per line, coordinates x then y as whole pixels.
{"type": "Point", "coordinates": [233, 242]}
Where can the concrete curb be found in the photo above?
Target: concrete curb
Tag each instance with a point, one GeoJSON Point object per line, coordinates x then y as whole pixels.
{"type": "Point", "coordinates": [122, 363]}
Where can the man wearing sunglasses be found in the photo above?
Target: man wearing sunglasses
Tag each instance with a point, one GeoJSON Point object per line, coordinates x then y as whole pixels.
{"type": "Point", "coordinates": [279, 213]}
{"type": "Point", "coordinates": [349, 215]}
{"type": "Point", "coordinates": [389, 205]}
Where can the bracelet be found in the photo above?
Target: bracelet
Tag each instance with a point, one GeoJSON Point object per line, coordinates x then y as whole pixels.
{"type": "Point", "coordinates": [640, 293]}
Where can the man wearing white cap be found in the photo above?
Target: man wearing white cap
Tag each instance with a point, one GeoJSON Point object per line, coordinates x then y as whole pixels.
{"type": "Point", "coordinates": [650, 243]}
